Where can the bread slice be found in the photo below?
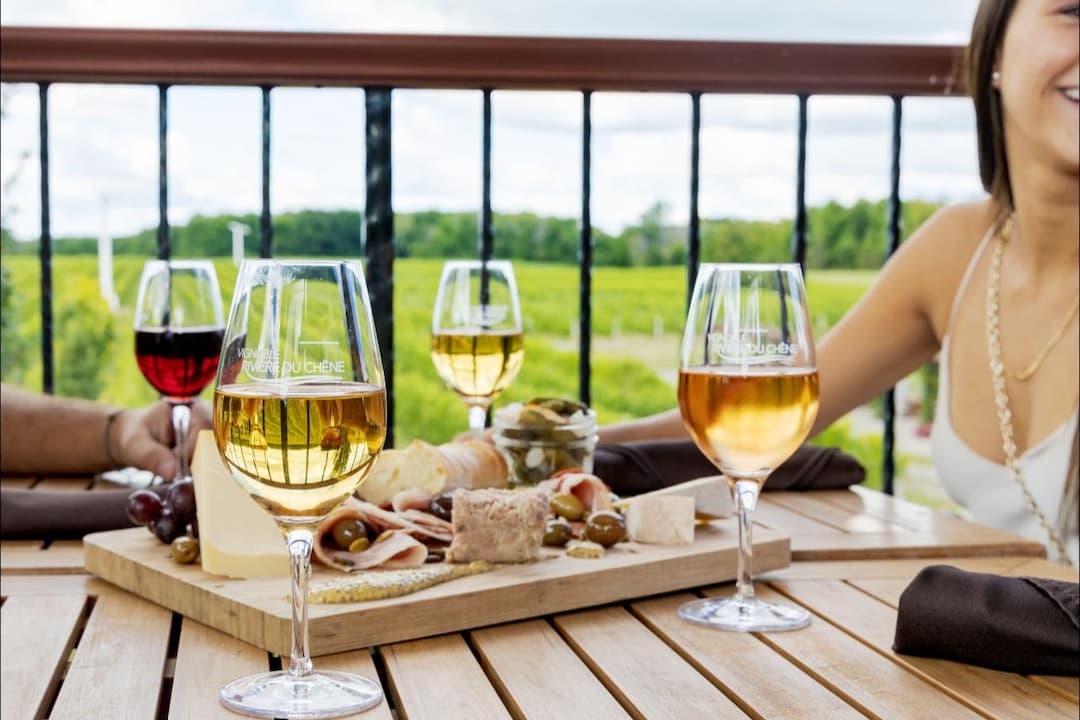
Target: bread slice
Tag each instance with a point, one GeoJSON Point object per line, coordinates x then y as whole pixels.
{"type": "Point", "coordinates": [434, 469]}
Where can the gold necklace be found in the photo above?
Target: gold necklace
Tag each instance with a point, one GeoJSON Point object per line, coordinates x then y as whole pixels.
{"type": "Point", "coordinates": [1001, 397]}
{"type": "Point", "coordinates": [1030, 369]}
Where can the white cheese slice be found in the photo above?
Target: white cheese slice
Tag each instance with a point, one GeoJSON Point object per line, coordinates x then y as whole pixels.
{"type": "Point", "coordinates": [664, 520]}
{"type": "Point", "coordinates": [237, 538]}
{"type": "Point", "coordinates": [712, 496]}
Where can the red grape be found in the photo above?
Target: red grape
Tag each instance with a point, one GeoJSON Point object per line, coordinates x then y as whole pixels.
{"type": "Point", "coordinates": [143, 507]}
{"type": "Point", "coordinates": [180, 497]}
{"type": "Point", "coordinates": [167, 527]}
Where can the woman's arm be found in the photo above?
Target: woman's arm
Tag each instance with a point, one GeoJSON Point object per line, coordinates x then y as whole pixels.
{"type": "Point", "coordinates": [54, 435]}
{"type": "Point", "coordinates": [891, 331]}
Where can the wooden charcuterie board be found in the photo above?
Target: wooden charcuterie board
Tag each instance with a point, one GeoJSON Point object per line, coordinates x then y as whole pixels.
{"type": "Point", "coordinates": [258, 611]}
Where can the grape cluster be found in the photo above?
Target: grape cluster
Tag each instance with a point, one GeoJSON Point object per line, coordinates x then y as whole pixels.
{"type": "Point", "coordinates": [168, 518]}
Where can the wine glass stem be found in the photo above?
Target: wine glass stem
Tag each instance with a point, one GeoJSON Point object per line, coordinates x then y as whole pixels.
{"type": "Point", "coordinates": [477, 417]}
{"type": "Point", "coordinates": [299, 541]}
{"type": "Point", "coordinates": [746, 493]}
{"type": "Point", "coordinates": [181, 420]}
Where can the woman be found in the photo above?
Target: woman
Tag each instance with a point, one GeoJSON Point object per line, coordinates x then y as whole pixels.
{"type": "Point", "coordinates": [992, 283]}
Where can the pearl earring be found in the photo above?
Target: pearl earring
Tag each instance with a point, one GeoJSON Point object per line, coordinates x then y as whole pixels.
{"type": "Point", "coordinates": [995, 76]}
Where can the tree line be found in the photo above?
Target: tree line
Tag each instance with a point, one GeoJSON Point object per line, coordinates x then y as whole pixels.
{"type": "Point", "coordinates": [838, 236]}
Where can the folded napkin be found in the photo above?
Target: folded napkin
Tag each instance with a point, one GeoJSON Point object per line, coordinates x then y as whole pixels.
{"type": "Point", "coordinates": [1017, 624]}
{"type": "Point", "coordinates": [61, 514]}
{"type": "Point", "coordinates": [634, 468]}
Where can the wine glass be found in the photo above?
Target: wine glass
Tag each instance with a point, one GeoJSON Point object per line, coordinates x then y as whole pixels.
{"type": "Point", "coordinates": [178, 331]}
{"type": "Point", "coordinates": [476, 341]}
{"type": "Point", "coordinates": [299, 419]}
{"type": "Point", "coordinates": [748, 394]}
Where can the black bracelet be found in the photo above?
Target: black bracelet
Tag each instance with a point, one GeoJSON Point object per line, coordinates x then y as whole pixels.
{"type": "Point", "coordinates": [113, 465]}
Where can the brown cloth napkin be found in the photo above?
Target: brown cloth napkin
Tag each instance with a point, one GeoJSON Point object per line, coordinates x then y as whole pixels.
{"type": "Point", "coordinates": [1017, 624]}
{"type": "Point", "coordinates": [62, 514]}
{"type": "Point", "coordinates": [635, 468]}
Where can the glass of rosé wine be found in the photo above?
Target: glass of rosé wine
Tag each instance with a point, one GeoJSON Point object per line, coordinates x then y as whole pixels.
{"type": "Point", "coordinates": [748, 394]}
{"type": "Point", "coordinates": [178, 330]}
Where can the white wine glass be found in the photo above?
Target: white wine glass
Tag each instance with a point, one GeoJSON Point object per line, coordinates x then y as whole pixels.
{"type": "Point", "coordinates": [476, 341]}
{"type": "Point", "coordinates": [178, 331]}
{"type": "Point", "coordinates": [299, 419]}
{"type": "Point", "coordinates": [748, 394]}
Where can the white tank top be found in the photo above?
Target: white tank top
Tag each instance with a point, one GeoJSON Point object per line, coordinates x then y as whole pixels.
{"type": "Point", "coordinates": [986, 489]}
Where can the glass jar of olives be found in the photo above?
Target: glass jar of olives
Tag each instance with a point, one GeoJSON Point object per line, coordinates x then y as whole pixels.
{"type": "Point", "coordinates": [543, 436]}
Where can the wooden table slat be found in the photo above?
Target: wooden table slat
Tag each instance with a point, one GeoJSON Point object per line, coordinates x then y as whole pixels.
{"type": "Point", "coordinates": [640, 669]}
{"type": "Point", "coordinates": [762, 682]}
{"type": "Point", "coordinates": [29, 556]}
{"type": "Point", "coordinates": [977, 541]}
{"type": "Point", "coordinates": [778, 517]}
{"type": "Point", "coordinates": [810, 505]}
{"type": "Point", "coordinates": [121, 655]}
{"type": "Point", "coordinates": [424, 687]}
{"type": "Point", "coordinates": [17, 482]}
{"type": "Point", "coordinates": [38, 634]}
{"type": "Point", "coordinates": [895, 568]}
{"type": "Point", "coordinates": [860, 675]}
{"type": "Point", "coordinates": [205, 661]}
{"type": "Point", "coordinates": [361, 663]}
{"type": "Point", "coordinates": [990, 692]}
{"type": "Point", "coordinates": [515, 655]}
{"type": "Point", "coordinates": [81, 584]}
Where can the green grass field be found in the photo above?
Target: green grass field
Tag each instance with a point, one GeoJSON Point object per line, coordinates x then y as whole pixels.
{"type": "Point", "coordinates": [637, 317]}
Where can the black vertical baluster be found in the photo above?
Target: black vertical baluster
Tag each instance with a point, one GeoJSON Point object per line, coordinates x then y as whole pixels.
{"type": "Point", "coordinates": [164, 244]}
{"type": "Point", "coordinates": [892, 239]}
{"type": "Point", "coordinates": [693, 240]}
{"type": "Point", "coordinates": [266, 222]}
{"type": "Point", "coordinates": [379, 235]}
{"type": "Point", "coordinates": [585, 255]}
{"type": "Point", "coordinates": [487, 233]}
{"type": "Point", "coordinates": [45, 248]}
{"type": "Point", "coordinates": [798, 237]}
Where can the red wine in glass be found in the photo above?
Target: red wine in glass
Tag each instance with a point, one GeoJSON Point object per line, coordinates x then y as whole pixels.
{"type": "Point", "coordinates": [178, 362]}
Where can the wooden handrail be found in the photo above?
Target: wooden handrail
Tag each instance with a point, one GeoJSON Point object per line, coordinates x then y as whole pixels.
{"type": "Point", "coordinates": [213, 57]}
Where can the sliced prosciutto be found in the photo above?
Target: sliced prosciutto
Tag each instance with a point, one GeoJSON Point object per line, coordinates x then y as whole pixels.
{"type": "Point", "coordinates": [397, 550]}
{"type": "Point", "coordinates": [593, 493]}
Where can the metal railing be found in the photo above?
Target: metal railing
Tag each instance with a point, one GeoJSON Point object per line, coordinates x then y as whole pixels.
{"type": "Point", "coordinates": [380, 63]}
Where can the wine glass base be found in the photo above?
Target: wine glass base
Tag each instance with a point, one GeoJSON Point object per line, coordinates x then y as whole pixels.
{"type": "Point", "coordinates": [744, 615]}
{"type": "Point", "coordinates": [322, 694]}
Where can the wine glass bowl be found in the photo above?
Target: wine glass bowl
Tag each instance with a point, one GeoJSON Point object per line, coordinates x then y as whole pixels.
{"type": "Point", "coordinates": [748, 395]}
{"type": "Point", "coordinates": [178, 331]}
{"type": "Point", "coordinates": [477, 345]}
{"type": "Point", "coordinates": [299, 419]}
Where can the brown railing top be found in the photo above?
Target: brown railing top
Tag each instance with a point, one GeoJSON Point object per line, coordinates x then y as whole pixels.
{"type": "Point", "coordinates": [51, 54]}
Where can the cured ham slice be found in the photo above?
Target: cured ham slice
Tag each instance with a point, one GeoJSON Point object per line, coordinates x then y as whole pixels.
{"type": "Point", "coordinates": [415, 523]}
{"type": "Point", "coordinates": [398, 550]}
{"type": "Point", "coordinates": [593, 493]}
{"type": "Point", "coordinates": [410, 499]}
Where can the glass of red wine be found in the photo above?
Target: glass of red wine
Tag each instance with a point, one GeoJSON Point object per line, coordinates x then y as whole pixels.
{"type": "Point", "coordinates": [178, 329]}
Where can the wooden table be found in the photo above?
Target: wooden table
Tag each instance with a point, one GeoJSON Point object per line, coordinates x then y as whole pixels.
{"type": "Point", "coordinates": [76, 647]}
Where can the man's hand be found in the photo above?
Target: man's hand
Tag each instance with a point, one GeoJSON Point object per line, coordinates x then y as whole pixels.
{"type": "Point", "coordinates": [144, 438]}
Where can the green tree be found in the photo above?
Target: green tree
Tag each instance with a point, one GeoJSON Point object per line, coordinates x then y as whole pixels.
{"type": "Point", "coordinates": [83, 338]}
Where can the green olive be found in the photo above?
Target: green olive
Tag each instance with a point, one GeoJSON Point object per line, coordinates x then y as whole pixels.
{"type": "Point", "coordinates": [605, 527]}
{"type": "Point", "coordinates": [184, 550]}
{"type": "Point", "coordinates": [557, 532]}
{"type": "Point", "coordinates": [347, 531]}
{"type": "Point", "coordinates": [567, 506]}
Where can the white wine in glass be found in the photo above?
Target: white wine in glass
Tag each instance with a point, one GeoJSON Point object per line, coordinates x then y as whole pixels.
{"type": "Point", "coordinates": [477, 345]}
{"type": "Point", "coordinates": [299, 419]}
{"type": "Point", "coordinates": [748, 394]}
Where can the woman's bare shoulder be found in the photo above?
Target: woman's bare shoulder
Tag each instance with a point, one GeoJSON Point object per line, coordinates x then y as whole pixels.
{"type": "Point", "coordinates": [953, 232]}
{"type": "Point", "coordinates": [938, 253]}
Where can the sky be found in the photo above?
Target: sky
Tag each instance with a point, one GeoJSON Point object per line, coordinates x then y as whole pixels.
{"type": "Point", "coordinates": [103, 147]}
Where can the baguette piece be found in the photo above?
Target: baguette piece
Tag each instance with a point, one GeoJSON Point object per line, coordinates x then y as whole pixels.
{"type": "Point", "coordinates": [434, 469]}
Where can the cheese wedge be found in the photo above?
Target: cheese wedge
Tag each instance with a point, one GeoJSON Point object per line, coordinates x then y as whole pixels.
{"type": "Point", "coordinates": [666, 520]}
{"type": "Point", "coordinates": [712, 496]}
{"type": "Point", "coordinates": [237, 538]}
